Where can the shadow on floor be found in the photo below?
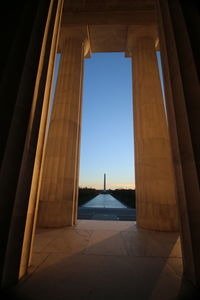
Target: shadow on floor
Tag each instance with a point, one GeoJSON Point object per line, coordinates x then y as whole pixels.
{"type": "Point", "coordinates": [100, 260]}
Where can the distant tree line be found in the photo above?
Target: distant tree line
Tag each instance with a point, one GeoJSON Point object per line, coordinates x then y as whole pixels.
{"type": "Point", "coordinates": [86, 194]}
{"type": "Point", "coordinates": [126, 196]}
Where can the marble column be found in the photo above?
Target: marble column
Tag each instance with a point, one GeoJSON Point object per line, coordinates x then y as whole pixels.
{"type": "Point", "coordinates": [52, 33]}
{"type": "Point", "coordinates": [155, 186]}
{"type": "Point", "coordinates": [179, 27]}
{"type": "Point", "coordinates": [76, 182]}
{"type": "Point", "coordinates": [22, 89]}
{"type": "Point", "coordinates": [57, 197]}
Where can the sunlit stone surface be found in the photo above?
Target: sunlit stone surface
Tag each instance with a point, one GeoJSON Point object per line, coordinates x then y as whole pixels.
{"type": "Point", "coordinates": [105, 260]}
{"type": "Point", "coordinates": [104, 201]}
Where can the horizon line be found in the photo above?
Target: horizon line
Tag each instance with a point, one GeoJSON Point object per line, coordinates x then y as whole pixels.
{"type": "Point", "coordinates": [113, 188]}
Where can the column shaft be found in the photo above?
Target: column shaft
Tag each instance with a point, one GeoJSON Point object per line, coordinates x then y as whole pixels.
{"type": "Point", "coordinates": [55, 13]}
{"type": "Point", "coordinates": [179, 33]}
{"type": "Point", "coordinates": [76, 182]}
{"type": "Point", "coordinates": [155, 189]}
{"type": "Point", "coordinates": [22, 81]}
{"type": "Point", "coordinates": [59, 173]}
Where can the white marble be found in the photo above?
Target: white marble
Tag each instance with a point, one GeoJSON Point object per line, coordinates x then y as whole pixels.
{"type": "Point", "coordinates": [100, 260]}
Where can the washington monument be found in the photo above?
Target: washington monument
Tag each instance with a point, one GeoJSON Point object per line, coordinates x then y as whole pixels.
{"type": "Point", "coordinates": [104, 182]}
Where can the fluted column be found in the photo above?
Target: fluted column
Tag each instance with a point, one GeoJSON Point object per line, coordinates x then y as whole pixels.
{"type": "Point", "coordinates": [59, 174]}
{"type": "Point", "coordinates": [155, 187]}
{"type": "Point", "coordinates": [179, 27]}
{"type": "Point", "coordinates": [24, 101]}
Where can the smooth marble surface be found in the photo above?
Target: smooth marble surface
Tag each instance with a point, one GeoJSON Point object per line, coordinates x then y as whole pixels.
{"type": "Point", "coordinates": [105, 260]}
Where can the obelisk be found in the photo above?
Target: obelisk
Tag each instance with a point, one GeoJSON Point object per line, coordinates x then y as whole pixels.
{"type": "Point", "coordinates": [104, 182]}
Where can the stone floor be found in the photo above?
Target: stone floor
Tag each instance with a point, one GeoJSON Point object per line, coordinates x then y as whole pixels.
{"type": "Point", "coordinates": [105, 260]}
{"type": "Point", "coordinates": [114, 214]}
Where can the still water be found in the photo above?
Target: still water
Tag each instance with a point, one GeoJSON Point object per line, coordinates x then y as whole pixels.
{"type": "Point", "coordinates": [104, 201]}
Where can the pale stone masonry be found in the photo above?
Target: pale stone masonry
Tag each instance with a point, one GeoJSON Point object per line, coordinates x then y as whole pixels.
{"type": "Point", "coordinates": [59, 181]}
{"type": "Point", "coordinates": [155, 185]}
{"type": "Point", "coordinates": [35, 31]}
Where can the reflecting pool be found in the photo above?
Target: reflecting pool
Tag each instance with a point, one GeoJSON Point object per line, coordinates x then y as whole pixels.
{"type": "Point", "coordinates": [104, 201]}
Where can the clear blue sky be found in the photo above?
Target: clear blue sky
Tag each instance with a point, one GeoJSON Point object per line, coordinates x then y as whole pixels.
{"type": "Point", "coordinates": [107, 121]}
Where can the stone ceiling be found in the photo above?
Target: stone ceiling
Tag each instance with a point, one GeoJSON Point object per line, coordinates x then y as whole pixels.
{"type": "Point", "coordinates": [108, 20]}
{"type": "Point", "coordinates": [94, 5]}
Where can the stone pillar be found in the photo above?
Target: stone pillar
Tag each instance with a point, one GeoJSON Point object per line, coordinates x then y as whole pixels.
{"type": "Point", "coordinates": [47, 61]}
{"type": "Point", "coordinates": [57, 195]}
{"type": "Point", "coordinates": [76, 183]}
{"type": "Point", "coordinates": [23, 92]}
{"type": "Point", "coordinates": [179, 27]}
{"type": "Point", "coordinates": [155, 187]}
